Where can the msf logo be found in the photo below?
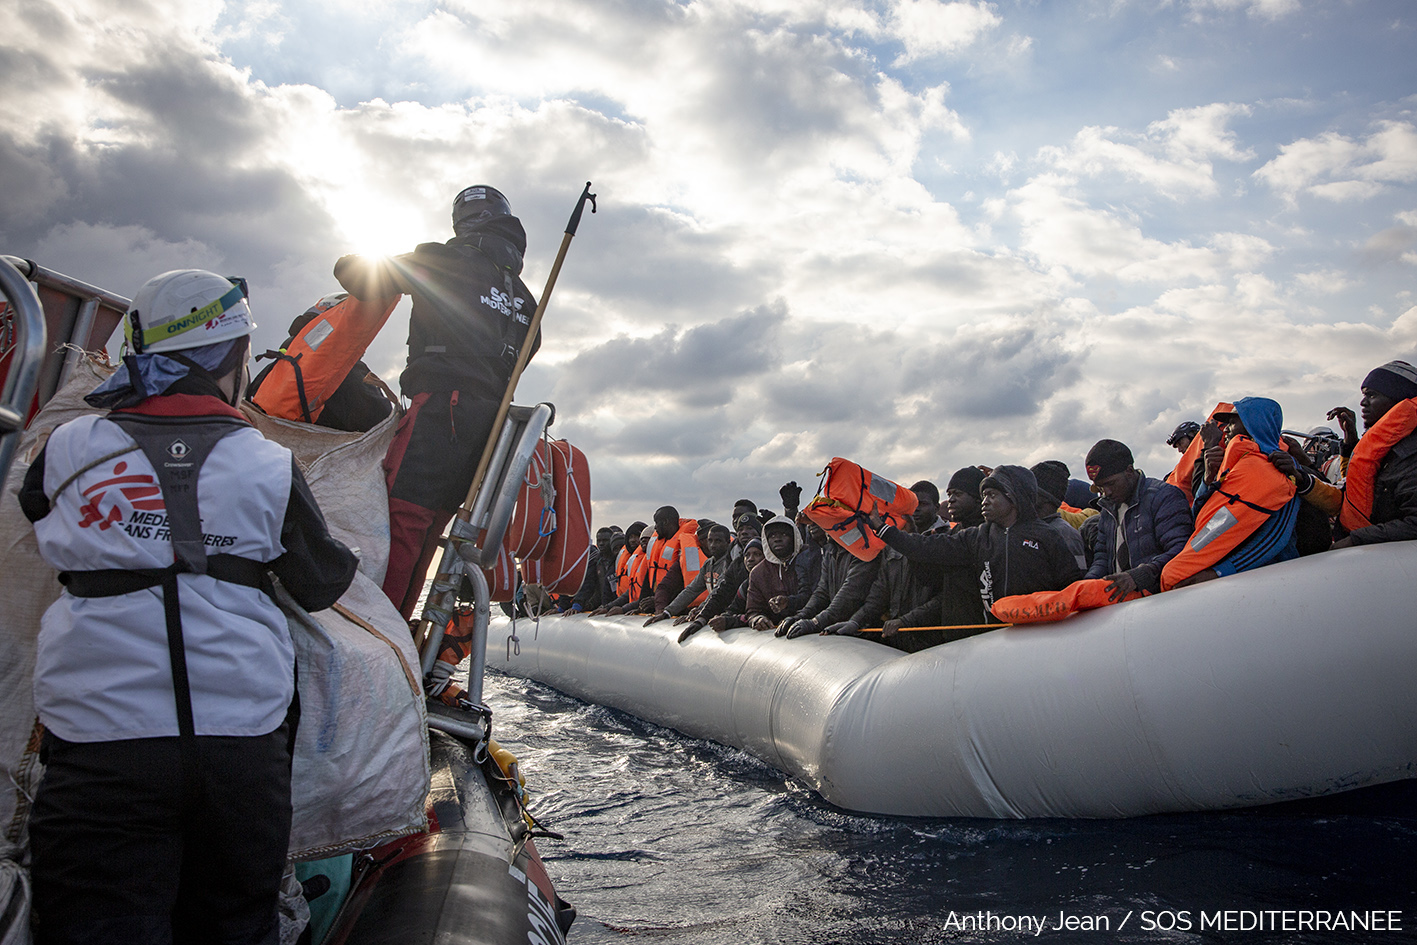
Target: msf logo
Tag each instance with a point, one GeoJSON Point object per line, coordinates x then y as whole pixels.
{"type": "Point", "coordinates": [141, 491]}
{"type": "Point", "coordinates": [503, 303]}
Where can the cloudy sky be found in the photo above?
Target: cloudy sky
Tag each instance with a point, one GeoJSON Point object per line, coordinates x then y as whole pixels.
{"type": "Point", "coordinates": [918, 234]}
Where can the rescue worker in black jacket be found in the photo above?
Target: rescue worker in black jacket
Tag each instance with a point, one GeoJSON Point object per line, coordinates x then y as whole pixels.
{"type": "Point", "coordinates": [471, 314]}
{"type": "Point", "coordinates": [164, 673]}
{"type": "Point", "coordinates": [1011, 553]}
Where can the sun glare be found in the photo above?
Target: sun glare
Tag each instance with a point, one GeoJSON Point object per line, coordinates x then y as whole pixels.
{"type": "Point", "coordinates": [378, 229]}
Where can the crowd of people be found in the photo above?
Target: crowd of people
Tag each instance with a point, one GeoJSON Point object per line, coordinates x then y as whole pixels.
{"type": "Point", "coordinates": [1243, 494]}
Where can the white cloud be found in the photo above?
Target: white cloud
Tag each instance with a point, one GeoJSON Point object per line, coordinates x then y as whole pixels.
{"type": "Point", "coordinates": [1341, 169]}
{"type": "Point", "coordinates": [1262, 9]}
{"type": "Point", "coordinates": [932, 28]}
{"type": "Point", "coordinates": [1173, 156]}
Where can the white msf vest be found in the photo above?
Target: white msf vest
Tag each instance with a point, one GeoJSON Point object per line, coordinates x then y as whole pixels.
{"type": "Point", "coordinates": [103, 670]}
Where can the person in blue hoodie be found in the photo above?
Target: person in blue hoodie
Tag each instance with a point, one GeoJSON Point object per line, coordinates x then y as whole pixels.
{"type": "Point", "coordinates": [1245, 508]}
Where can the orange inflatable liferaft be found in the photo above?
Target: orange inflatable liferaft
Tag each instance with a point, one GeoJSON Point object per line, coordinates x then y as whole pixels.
{"type": "Point", "coordinates": [562, 567]}
{"type": "Point", "coordinates": [534, 518]}
{"type": "Point", "coordinates": [847, 495]}
{"type": "Point", "coordinates": [1048, 606]}
{"type": "Point", "coordinates": [312, 366]}
{"type": "Point", "coordinates": [1358, 488]}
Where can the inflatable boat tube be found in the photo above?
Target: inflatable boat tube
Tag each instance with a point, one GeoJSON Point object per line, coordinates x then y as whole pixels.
{"type": "Point", "coordinates": [1287, 682]}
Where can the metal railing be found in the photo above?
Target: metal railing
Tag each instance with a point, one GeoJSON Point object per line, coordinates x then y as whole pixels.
{"type": "Point", "coordinates": [475, 544]}
{"type": "Point", "coordinates": [26, 359]}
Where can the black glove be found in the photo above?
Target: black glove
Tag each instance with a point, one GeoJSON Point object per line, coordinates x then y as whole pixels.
{"type": "Point", "coordinates": [791, 495]}
{"type": "Point", "coordinates": [845, 628]}
{"type": "Point", "coordinates": [802, 627]}
{"type": "Point", "coordinates": [690, 630]}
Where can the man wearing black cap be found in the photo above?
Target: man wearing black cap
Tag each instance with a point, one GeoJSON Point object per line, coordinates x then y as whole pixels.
{"type": "Point", "coordinates": [1010, 553]}
{"type": "Point", "coordinates": [962, 497]}
{"type": "Point", "coordinates": [471, 313]}
{"type": "Point", "coordinates": [1052, 476]}
{"type": "Point", "coordinates": [1378, 502]}
{"type": "Point", "coordinates": [1142, 522]}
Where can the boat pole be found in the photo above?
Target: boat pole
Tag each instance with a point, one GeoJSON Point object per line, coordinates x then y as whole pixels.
{"type": "Point", "coordinates": [448, 563]}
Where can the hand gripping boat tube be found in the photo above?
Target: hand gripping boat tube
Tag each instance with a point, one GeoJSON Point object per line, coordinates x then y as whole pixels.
{"type": "Point", "coordinates": [1243, 691]}
{"type": "Point", "coordinates": [848, 494]}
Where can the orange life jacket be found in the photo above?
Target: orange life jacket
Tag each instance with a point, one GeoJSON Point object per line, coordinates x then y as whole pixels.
{"type": "Point", "coordinates": [646, 574]}
{"type": "Point", "coordinates": [1180, 477]}
{"type": "Point", "coordinates": [847, 495]}
{"type": "Point", "coordinates": [635, 569]}
{"type": "Point", "coordinates": [686, 549]}
{"type": "Point", "coordinates": [624, 565]}
{"type": "Point", "coordinates": [664, 556]}
{"type": "Point", "coordinates": [1250, 489]}
{"type": "Point", "coordinates": [1377, 441]}
{"type": "Point", "coordinates": [318, 359]}
{"type": "Point", "coordinates": [1048, 606]}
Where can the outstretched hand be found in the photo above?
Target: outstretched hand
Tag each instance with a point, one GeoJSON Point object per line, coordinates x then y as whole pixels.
{"type": "Point", "coordinates": [1347, 422]}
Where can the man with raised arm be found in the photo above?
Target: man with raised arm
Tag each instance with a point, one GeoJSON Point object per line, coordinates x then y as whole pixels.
{"type": "Point", "coordinates": [471, 313]}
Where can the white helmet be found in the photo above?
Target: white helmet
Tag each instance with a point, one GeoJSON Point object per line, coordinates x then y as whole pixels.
{"type": "Point", "coordinates": [186, 308]}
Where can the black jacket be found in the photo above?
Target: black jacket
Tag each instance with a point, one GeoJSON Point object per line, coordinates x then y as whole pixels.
{"type": "Point", "coordinates": [471, 311]}
{"type": "Point", "coordinates": [842, 587]}
{"type": "Point", "coordinates": [1394, 497]}
{"type": "Point", "coordinates": [1021, 559]}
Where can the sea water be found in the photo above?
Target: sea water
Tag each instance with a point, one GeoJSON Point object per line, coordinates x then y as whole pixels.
{"type": "Point", "coordinates": [670, 839]}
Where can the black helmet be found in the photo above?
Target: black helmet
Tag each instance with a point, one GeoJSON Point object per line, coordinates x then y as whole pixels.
{"type": "Point", "coordinates": [478, 204]}
{"type": "Point", "coordinates": [1189, 428]}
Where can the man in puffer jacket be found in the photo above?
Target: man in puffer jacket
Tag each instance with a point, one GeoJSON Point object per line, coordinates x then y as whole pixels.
{"type": "Point", "coordinates": [1011, 553]}
{"type": "Point", "coordinates": [1154, 520]}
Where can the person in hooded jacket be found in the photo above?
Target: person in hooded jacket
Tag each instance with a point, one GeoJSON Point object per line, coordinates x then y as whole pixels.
{"type": "Point", "coordinates": [470, 319]}
{"type": "Point", "coordinates": [1142, 524]}
{"type": "Point", "coordinates": [1011, 553]}
{"type": "Point", "coordinates": [773, 588]}
{"type": "Point", "coordinates": [1246, 509]}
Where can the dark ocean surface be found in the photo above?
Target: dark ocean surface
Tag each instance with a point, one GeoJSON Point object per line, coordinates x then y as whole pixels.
{"type": "Point", "coordinates": [677, 840]}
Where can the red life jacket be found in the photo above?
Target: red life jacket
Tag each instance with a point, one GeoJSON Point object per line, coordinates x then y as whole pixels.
{"type": "Point", "coordinates": [1360, 485]}
{"type": "Point", "coordinates": [847, 495]}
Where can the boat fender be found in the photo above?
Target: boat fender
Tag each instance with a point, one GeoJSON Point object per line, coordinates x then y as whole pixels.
{"type": "Point", "coordinates": [847, 495]}
{"type": "Point", "coordinates": [1050, 606]}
